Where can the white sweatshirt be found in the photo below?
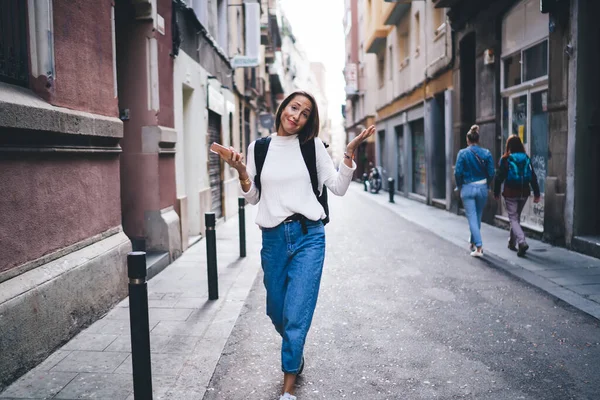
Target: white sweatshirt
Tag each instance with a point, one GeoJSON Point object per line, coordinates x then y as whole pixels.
{"type": "Point", "coordinates": [285, 181]}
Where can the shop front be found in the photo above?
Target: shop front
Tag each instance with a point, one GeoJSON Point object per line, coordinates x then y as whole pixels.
{"type": "Point", "coordinates": [524, 91]}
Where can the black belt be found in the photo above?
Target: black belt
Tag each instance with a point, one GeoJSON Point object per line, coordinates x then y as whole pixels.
{"type": "Point", "coordinates": [300, 218]}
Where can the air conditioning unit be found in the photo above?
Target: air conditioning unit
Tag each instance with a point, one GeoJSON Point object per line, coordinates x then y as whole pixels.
{"type": "Point", "coordinates": [144, 9]}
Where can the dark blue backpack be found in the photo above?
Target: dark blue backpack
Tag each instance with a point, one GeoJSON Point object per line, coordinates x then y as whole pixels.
{"type": "Point", "coordinates": [519, 169]}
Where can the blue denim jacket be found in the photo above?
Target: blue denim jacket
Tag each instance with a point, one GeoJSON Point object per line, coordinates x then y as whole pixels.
{"type": "Point", "coordinates": [469, 170]}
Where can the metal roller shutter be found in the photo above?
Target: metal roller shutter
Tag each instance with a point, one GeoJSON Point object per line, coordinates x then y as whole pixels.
{"type": "Point", "coordinates": [214, 164]}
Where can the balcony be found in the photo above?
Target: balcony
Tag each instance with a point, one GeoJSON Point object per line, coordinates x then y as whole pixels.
{"type": "Point", "coordinates": [394, 12]}
{"type": "Point", "coordinates": [376, 31]}
{"type": "Point", "coordinates": [377, 40]}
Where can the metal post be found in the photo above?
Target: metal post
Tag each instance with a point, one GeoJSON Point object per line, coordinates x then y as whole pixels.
{"type": "Point", "coordinates": [365, 178]}
{"type": "Point", "coordinates": [391, 189]}
{"type": "Point", "coordinates": [242, 221]}
{"type": "Point", "coordinates": [139, 324]}
{"type": "Point", "coordinates": [211, 256]}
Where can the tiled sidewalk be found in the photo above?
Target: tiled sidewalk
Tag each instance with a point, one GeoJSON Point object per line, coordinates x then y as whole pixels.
{"type": "Point", "coordinates": [187, 331]}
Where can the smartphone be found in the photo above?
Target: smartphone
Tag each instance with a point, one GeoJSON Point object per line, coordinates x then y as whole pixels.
{"type": "Point", "coordinates": [221, 150]}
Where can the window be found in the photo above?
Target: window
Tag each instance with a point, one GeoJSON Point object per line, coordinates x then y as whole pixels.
{"type": "Point", "coordinates": [231, 129]}
{"type": "Point", "coordinates": [512, 70]}
{"type": "Point", "coordinates": [402, 48]}
{"type": "Point", "coordinates": [381, 69]}
{"type": "Point", "coordinates": [391, 61]}
{"type": "Point", "coordinates": [526, 65]}
{"type": "Point", "coordinates": [239, 32]}
{"type": "Point", "coordinates": [439, 19]}
{"type": "Point", "coordinates": [14, 58]}
{"type": "Point", "coordinates": [417, 33]}
{"type": "Point", "coordinates": [535, 61]}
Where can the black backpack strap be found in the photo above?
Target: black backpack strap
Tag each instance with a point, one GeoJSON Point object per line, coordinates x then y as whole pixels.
{"type": "Point", "coordinates": [309, 155]}
{"type": "Point", "coordinates": [260, 154]}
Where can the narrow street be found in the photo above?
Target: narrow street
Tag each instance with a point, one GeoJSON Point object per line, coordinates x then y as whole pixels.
{"type": "Point", "coordinates": [403, 314]}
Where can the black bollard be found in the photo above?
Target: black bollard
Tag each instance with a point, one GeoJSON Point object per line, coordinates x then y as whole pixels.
{"type": "Point", "coordinates": [242, 220]}
{"type": "Point", "coordinates": [139, 324]}
{"type": "Point", "coordinates": [211, 256]}
{"type": "Point", "coordinates": [365, 178]}
{"type": "Point", "coordinates": [391, 189]}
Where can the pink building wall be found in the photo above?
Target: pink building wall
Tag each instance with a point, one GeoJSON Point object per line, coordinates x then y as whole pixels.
{"type": "Point", "coordinates": [53, 201]}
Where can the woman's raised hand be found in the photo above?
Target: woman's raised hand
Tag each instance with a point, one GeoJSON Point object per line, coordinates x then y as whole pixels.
{"type": "Point", "coordinates": [364, 135]}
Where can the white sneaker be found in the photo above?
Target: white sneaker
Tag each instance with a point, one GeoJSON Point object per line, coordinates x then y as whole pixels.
{"type": "Point", "coordinates": [287, 396]}
{"type": "Point", "coordinates": [477, 253]}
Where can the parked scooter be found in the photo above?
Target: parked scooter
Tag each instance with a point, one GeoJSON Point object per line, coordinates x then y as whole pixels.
{"type": "Point", "coordinates": [375, 180]}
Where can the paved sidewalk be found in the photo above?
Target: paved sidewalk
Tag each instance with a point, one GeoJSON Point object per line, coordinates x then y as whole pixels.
{"type": "Point", "coordinates": [569, 276]}
{"type": "Point", "coordinates": [188, 332]}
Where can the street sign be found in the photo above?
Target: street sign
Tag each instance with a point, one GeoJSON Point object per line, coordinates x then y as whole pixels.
{"type": "Point", "coordinates": [244, 61]}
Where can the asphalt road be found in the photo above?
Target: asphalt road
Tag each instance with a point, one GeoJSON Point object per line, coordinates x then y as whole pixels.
{"type": "Point", "coordinates": [403, 314]}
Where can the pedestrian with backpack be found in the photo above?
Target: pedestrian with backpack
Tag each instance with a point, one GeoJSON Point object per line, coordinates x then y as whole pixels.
{"type": "Point", "coordinates": [517, 174]}
{"type": "Point", "coordinates": [473, 174]}
{"type": "Point", "coordinates": [288, 172]}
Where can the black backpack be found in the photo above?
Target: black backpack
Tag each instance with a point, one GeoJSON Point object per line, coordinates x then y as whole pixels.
{"type": "Point", "coordinates": [310, 159]}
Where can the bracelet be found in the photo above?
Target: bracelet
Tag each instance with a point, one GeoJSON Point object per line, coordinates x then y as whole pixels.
{"type": "Point", "coordinates": [246, 181]}
{"type": "Point", "coordinates": [348, 157]}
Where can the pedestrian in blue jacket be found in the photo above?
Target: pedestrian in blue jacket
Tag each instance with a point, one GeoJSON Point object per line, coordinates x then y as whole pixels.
{"type": "Point", "coordinates": [473, 173]}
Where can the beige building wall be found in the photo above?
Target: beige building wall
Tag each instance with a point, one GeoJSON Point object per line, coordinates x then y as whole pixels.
{"type": "Point", "coordinates": [367, 67]}
{"type": "Point", "coordinates": [415, 48]}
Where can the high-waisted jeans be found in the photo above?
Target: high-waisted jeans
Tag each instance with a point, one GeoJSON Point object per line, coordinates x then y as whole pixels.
{"type": "Point", "coordinates": [292, 263]}
{"type": "Point", "coordinates": [474, 197]}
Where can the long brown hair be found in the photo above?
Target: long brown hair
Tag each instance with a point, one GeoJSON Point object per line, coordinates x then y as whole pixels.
{"type": "Point", "coordinates": [311, 128]}
{"type": "Point", "coordinates": [513, 145]}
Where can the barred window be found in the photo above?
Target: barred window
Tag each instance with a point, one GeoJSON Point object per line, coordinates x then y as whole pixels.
{"type": "Point", "coordinates": [14, 59]}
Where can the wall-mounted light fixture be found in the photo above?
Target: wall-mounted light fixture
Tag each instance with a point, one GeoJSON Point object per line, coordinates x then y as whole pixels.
{"type": "Point", "coordinates": [488, 57]}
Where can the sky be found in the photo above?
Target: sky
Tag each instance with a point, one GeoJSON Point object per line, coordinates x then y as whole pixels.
{"type": "Point", "coordinates": [318, 26]}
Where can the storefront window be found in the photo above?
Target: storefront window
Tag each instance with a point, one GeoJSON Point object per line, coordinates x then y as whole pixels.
{"type": "Point", "coordinates": [519, 117]}
{"type": "Point", "coordinates": [536, 61]}
{"type": "Point", "coordinates": [525, 93]}
{"type": "Point", "coordinates": [400, 141]}
{"type": "Point", "coordinates": [526, 65]}
{"type": "Point", "coordinates": [419, 171]}
{"type": "Point", "coordinates": [504, 120]}
{"type": "Point", "coordinates": [512, 70]}
{"type": "Point", "coordinates": [539, 135]}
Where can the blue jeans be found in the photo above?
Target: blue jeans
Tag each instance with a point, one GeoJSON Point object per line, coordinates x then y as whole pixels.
{"type": "Point", "coordinates": [474, 196]}
{"type": "Point", "coordinates": [292, 263]}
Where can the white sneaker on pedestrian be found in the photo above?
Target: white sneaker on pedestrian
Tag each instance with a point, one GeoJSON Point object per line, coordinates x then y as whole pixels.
{"type": "Point", "coordinates": [477, 253]}
{"type": "Point", "coordinates": [287, 396]}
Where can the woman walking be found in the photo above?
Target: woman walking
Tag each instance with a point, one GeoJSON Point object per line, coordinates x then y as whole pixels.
{"type": "Point", "coordinates": [473, 173]}
{"type": "Point", "coordinates": [280, 173]}
{"type": "Point", "coordinates": [517, 174]}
